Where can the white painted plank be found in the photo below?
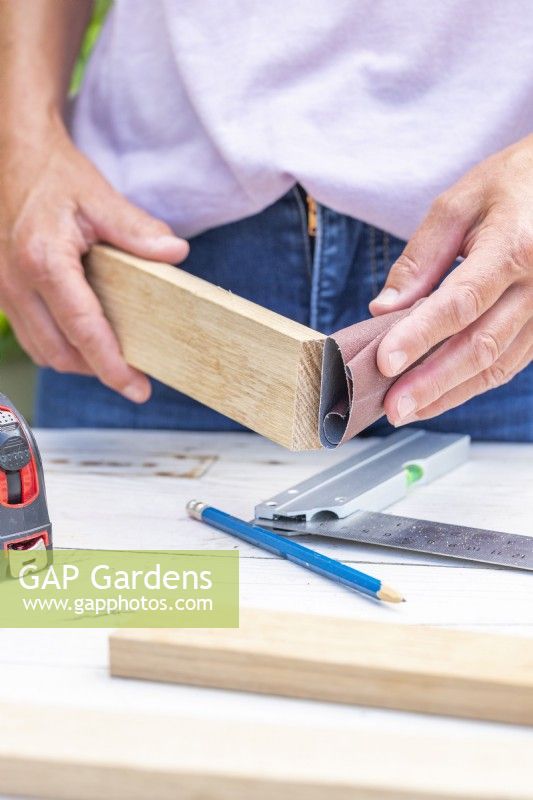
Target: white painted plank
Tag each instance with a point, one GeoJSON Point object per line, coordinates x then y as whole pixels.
{"type": "Point", "coordinates": [89, 485]}
{"type": "Point", "coordinates": [128, 490]}
{"type": "Point", "coordinates": [90, 477]}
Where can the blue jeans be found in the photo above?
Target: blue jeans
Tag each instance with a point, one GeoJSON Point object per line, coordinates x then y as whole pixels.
{"type": "Point", "coordinates": [325, 283]}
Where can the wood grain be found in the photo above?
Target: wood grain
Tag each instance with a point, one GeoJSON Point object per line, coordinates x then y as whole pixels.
{"type": "Point", "coordinates": [436, 671]}
{"type": "Point", "coordinates": [250, 364]}
{"type": "Point", "coordinates": [81, 754]}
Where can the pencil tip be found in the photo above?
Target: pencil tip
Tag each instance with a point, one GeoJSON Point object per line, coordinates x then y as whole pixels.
{"type": "Point", "coordinates": [390, 595]}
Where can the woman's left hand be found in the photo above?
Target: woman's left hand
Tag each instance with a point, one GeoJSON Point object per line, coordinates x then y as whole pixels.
{"type": "Point", "coordinates": [480, 319]}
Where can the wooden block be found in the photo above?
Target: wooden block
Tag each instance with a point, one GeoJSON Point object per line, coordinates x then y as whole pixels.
{"type": "Point", "coordinates": [82, 754]}
{"type": "Point", "coordinates": [256, 367]}
{"type": "Point", "coordinates": [431, 670]}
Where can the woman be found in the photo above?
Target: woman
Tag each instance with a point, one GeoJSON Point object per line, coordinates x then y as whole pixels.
{"type": "Point", "coordinates": [311, 154]}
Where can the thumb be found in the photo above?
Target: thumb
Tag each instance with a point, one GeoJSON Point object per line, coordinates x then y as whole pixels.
{"type": "Point", "coordinates": [427, 256]}
{"type": "Point", "coordinates": [118, 222]}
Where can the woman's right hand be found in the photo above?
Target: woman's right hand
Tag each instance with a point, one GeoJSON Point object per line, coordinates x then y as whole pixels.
{"type": "Point", "coordinates": [54, 204]}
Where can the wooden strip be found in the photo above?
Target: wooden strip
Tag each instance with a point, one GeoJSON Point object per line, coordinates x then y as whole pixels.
{"type": "Point", "coordinates": [256, 367]}
{"type": "Point", "coordinates": [431, 670]}
{"type": "Point", "coordinates": [80, 754]}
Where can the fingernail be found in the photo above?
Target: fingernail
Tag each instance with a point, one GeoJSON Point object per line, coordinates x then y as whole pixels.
{"type": "Point", "coordinates": [135, 393]}
{"type": "Point", "coordinates": [405, 406]}
{"type": "Point", "coordinates": [406, 421]}
{"type": "Point", "coordinates": [397, 359]}
{"type": "Point", "coordinates": [387, 297]}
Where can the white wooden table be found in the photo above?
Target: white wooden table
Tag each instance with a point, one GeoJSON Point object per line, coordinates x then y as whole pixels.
{"type": "Point", "coordinates": [128, 490]}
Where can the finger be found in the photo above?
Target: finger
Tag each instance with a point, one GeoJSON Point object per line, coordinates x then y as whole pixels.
{"type": "Point", "coordinates": [463, 297]}
{"type": "Point", "coordinates": [55, 350]}
{"type": "Point", "coordinates": [37, 333]}
{"type": "Point", "coordinates": [79, 316]}
{"type": "Point", "coordinates": [460, 358]}
{"type": "Point", "coordinates": [117, 221]}
{"type": "Point", "coordinates": [513, 361]}
{"type": "Point", "coordinates": [428, 255]}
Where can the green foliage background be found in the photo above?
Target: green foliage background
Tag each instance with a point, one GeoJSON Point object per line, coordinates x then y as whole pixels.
{"type": "Point", "coordinates": [9, 347]}
{"type": "Point", "coordinates": [101, 7]}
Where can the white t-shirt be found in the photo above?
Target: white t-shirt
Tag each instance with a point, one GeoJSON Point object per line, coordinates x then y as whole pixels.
{"type": "Point", "coordinates": [207, 111]}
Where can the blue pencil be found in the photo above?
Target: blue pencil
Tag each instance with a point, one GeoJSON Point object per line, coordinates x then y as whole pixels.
{"type": "Point", "coordinates": [292, 551]}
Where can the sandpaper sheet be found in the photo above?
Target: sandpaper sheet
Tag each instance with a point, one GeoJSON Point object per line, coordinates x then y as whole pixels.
{"type": "Point", "coordinates": [352, 387]}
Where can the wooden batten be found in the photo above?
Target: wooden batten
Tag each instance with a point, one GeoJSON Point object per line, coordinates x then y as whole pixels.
{"type": "Point", "coordinates": [82, 754]}
{"type": "Point", "coordinates": [413, 668]}
{"type": "Point", "coordinates": [250, 364]}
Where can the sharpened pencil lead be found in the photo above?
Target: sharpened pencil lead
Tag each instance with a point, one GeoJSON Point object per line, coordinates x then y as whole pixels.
{"type": "Point", "coordinates": [390, 595]}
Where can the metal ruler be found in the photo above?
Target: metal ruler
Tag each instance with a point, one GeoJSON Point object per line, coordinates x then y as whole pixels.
{"type": "Point", "coordinates": [345, 502]}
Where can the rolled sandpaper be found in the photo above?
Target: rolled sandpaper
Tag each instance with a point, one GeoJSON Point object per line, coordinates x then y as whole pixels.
{"type": "Point", "coordinates": [352, 387]}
